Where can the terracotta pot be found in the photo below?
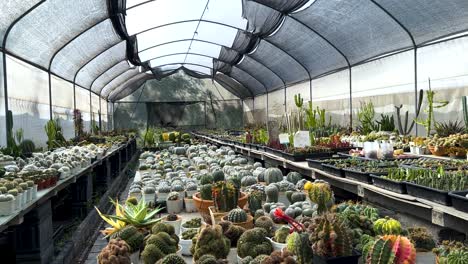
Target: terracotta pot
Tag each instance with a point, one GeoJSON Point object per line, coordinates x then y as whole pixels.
{"type": "Point", "coordinates": [437, 151]}
{"type": "Point", "coordinates": [202, 205]}
{"type": "Point", "coordinates": [247, 224]}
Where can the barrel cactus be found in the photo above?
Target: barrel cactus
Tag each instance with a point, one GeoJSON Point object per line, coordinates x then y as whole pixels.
{"type": "Point", "coordinates": [237, 216]}
{"type": "Point", "coordinates": [205, 179]}
{"type": "Point", "coordinates": [391, 249]}
{"type": "Point", "coordinates": [298, 244]}
{"type": "Point", "coordinates": [27, 146]}
{"type": "Point", "coordinates": [157, 247]}
{"type": "Point", "coordinates": [272, 193]}
{"type": "Point", "coordinates": [320, 192]}
{"type": "Point", "coordinates": [281, 234]}
{"type": "Point", "coordinates": [211, 241]}
{"type": "Point", "coordinates": [171, 259]}
{"type": "Point", "coordinates": [266, 223]}
{"type": "Point", "coordinates": [273, 175]}
{"type": "Point", "coordinates": [248, 181]}
{"type": "Point", "coordinates": [293, 177]}
{"type": "Point", "coordinates": [116, 251]}
{"type": "Point", "coordinates": [253, 242]}
{"type": "Point", "coordinates": [218, 175]}
{"type": "Point", "coordinates": [177, 188]}
{"type": "Point", "coordinates": [387, 226]}
{"type": "Point", "coordinates": [205, 192]}
{"type": "Point", "coordinates": [131, 236]}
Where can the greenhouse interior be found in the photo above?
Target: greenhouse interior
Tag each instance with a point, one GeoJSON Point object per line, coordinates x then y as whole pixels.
{"type": "Point", "coordinates": [240, 131]}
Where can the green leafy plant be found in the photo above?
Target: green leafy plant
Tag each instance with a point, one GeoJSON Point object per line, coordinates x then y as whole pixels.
{"type": "Point", "coordinates": [365, 116]}
{"type": "Point", "coordinates": [140, 215]}
{"type": "Point", "coordinates": [386, 123]}
{"type": "Point", "coordinates": [445, 129]}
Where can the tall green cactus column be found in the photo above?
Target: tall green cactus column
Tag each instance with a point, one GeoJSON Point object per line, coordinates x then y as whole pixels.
{"type": "Point", "coordinates": [465, 112]}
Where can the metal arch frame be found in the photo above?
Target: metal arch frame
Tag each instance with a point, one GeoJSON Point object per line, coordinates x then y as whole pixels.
{"type": "Point", "coordinates": [415, 47]}
{"type": "Point", "coordinates": [5, 77]}
{"type": "Point", "coordinates": [136, 75]}
{"type": "Point", "coordinates": [57, 52]}
{"type": "Point", "coordinates": [107, 70]}
{"type": "Point", "coordinates": [140, 4]}
{"type": "Point", "coordinates": [100, 93]}
{"type": "Point", "coordinates": [246, 88]}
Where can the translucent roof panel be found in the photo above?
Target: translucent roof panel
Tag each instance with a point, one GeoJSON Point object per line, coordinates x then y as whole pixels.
{"type": "Point", "coordinates": [51, 25]}
{"type": "Point", "coordinates": [179, 58]}
{"type": "Point", "coordinates": [198, 69]}
{"type": "Point", "coordinates": [117, 81]}
{"type": "Point", "coordinates": [260, 72]}
{"type": "Point", "coordinates": [164, 12]}
{"type": "Point", "coordinates": [232, 85]}
{"type": "Point", "coordinates": [428, 20]}
{"type": "Point", "coordinates": [132, 3]}
{"type": "Point", "coordinates": [105, 77]}
{"type": "Point", "coordinates": [309, 48]}
{"type": "Point", "coordinates": [101, 63]}
{"type": "Point", "coordinates": [358, 28]}
{"type": "Point", "coordinates": [181, 47]}
{"type": "Point", "coordinates": [216, 33]}
{"type": "Point", "coordinates": [165, 34]}
{"type": "Point", "coordinates": [10, 11]}
{"type": "Point", "coordinates": [197, 59]}
{"type": "Point", "coordinates": [280, 62]}
{"type": "Point", "coordinates": [67, 62]}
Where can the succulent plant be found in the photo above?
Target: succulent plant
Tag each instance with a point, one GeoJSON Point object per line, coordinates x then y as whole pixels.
{"type": "Point", "coordinates": [281, 234]}
{"type": "Point", "coordinates": [116, 252]}
{"type": "Point", "coordinates": [132, 200]}
{"type": "Point", "coordinates": [293, 177]}
{"type": "Point", "coordinates": [171, 259]}
{"type": "Point", "coordinates": [191, 186]}
{"type": "Point", "coordinates": [272, 193]}
{"type": "Point", "coordinates": [218, 175]}
{"type": "Point", "coordinates": [299, 245]}
{"type": "Point", "coordinates": [210, 259]}
{"type": "Point", "coordinates": [206, 179]}
{"type": "Point", "coordinates": [166, 228]}
{"type": "Point", "coordinates": [391, 249]}
{"type": "Point", "coordinates": [211, 241]}
{"type": "Point", "coordinates": [258, 213]}
{"type": "Point", "coordinates": [225, 196]}
{"type": "Point", "coordinates": [451, 252]}
{"type": "Point", "coordinates": [164, 188]}
{"type": "Point", "coordinates": [387, 226]}
{"type": "Point", "coordinates": [177, 188]}
{"type": "Point", "coordinates": [273, 175]}
{"type": "Point", "coordinates": [232, 232]}
{"type": "Point", "coordinates": [321, 193]}
{"type": "Point", "coordinates": [149, 190]}
{"type": "Point", "coordinates": [237, 215]}
{"type": "Point", "coordinates": [157, 247]}
{"type": "Point", "coordinates": [6, 197]}
{"type": "Point", "coordinates": [253, 242]}
{"type": "Point", "coordinates": [248, 181]}
{"type": "Point", "coordinates": [266, 223]}
{"type": "Point", "coordinates": [255, 200]}
{"type": "Point", "coordinates": [172, 217]}
{"type": "Point", "coordinates": [189, 234]}
{"type": "Point", "coordinates": [173, 196]}
{"type": "Point", "coordinates": [193, 223]}
{"type": "Point", "coordinates": [422, 240]}
{"type": "Point", "coordinates": [205, 192]}
{"type": "Point", "coordinates": [131, 236]}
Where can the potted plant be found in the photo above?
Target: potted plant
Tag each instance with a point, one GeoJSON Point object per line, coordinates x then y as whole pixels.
{"type": "Point", "coordinates": [174, 203]}
{"type": "Point", "coordinates": [17, 199]}
{"type": "Point", "coordinates": [203, 200]}
{"type": "Point", "coordinates": [194, 223]}
{"type": "Point", "coordinates": [423, 242]}
{"type": "Point", "coordinates": [134, 239]}
{"type": "Point", "coordinates": [239, 217]}
{"type": "Point", "coordinates": [7, 204]}
{"type": "Point", "coordinates": [252, 243]}
{"type": "Point", "coordinates": [180, 189]}
{"type": "Point", "coordinates": [190, 205]}
{"type": "Point", "coordinates": [159, 244]}
{"type": "Point", "coordinates": [163, 192]}
{"type": "Point", "coordinates": [149, 194]}
{"type": "Point", "coordinates": [390, 249]}
{"type": "Point", "coordinates": [233, 233]}
{"type": "Point", "coordinates": [451, 252]}
{"type": "Point", "coordinates": [211, 241]}
{"type": "Point", "coordinates": [117, 249]}
{"type": "Point", "coordinates": [279, 240]}
{"type": "Point", "coordinates": [173, 220]}
{"type": "Point", "coordinates": [186, 241]}
{"type": "Point", "coordinates": [191, 189]}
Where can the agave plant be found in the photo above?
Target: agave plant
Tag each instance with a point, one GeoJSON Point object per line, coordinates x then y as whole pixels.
{"type": "Point", "coordinates": [116, 225]}
{"type": "Point", "coordinates": [138, 215]}
{"type": "Point", "coordinates": [449, 128]}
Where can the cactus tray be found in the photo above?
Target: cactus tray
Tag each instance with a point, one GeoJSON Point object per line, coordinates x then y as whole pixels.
{"type": "Point", "coordinates": [358, 176]}
{"type": "Point", "coordinates": [387, 184]}
{"type": "Point", "coordinates": [317, 163]}
{"type": "Point", "coordinates": [459, 200]}
{"type": "Point", "coordinates": [353, 259]}
{"type": "Point", "coordinates": [333, 170]}
{"type": "Point", "coordinates": [304, 156]}
{"type": "Point", "coordinates": [431, 194]}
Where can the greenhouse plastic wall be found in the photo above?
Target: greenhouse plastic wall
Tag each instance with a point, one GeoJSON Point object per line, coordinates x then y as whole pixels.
{"type": "Point", "coordinates": [2, 105]}
{"type": "Point", "coordinates": [62, 105]}
{"type": "Point", "coordinates": [387, 82]}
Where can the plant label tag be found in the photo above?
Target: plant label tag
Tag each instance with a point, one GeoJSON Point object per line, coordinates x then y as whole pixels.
{"type": "Point", "coordinates": [284, 138]}
{"type": "Point", "coordinates": [301, 139]}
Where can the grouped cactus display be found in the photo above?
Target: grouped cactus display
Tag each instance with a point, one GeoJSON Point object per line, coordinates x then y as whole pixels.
{"type": "Point", "coordinates": [193, 223]}
{"type": "Point", "coordinates": [210, 259]}
{"type": "Point", "coordinates": [330, 237]}
{"type": "Point", "coordinates": [253, 242]}
{"type": "Point", "coordinates": [422, 240]}
{"type": "Point", "coordinates": [189, 234]}
{"type": "Point", "coordinates": [225, 196]}
{"type": "Point", "coordinates": [211, 241]}
{"type": "Point", "coordinates": [157, 247]}
{"type": "Point", "coordinates": [387, 226]}
{"type": "Point", "coordinates": [232, 232]}
{"type": "Point", "coordinates": [116, 252]}
{"type": "Point", "coordinates": [166, 228]}
{"type": "Point", "coordinates": [391, 249]}
{"type": "Point", "coordinates": [237, 215]}
{"type": "Point", "coordinates": [131, 236]}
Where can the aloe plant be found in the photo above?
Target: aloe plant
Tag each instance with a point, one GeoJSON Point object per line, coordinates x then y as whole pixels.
{"type": "Point", "coordinates": [365, 116]}
{"type": "Point", "coordinates": [138, 215]}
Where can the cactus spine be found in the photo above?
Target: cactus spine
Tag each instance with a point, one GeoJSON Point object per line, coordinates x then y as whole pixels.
{"type": "Point", "coordinates": [298, 243]}
{"type": "Point", "coordinates": [237, 216]}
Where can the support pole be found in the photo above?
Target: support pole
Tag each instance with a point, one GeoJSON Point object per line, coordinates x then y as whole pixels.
{"type": "Point", "coordinates": [350, 99]}
{"type": "Point", "coordinates": [285, 100]}
{"type": "Point", "coordinates": [243, 122]}
{"type": "Point", "coordinates": [416, 85]}
{"type": "Point", "coordinates": [267, 112]}
{"type": "Point", "coordinates": [50, 96]}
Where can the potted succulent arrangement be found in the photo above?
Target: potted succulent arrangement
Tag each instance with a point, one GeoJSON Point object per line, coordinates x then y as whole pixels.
{"type": "Point", "coordinates": [451, 252]}
{"type": "Point", "coordinates": [210, 241]}
{"type": "Point", "coordinates": [279, 239]}
{"type": "Point", "coordinates": [161, 243]}
{"type": "Point", "coordinates": [149, 194]}
{"type": "Point", "coordinates": [239, 217]}
{"type": "Point", "coordinates": [173, 220]}
{"type": "Point", "coordinates": [195, 223]}
{"type": "Point", "coordinates": [7, 204]}
{"type": "Point", "coordinates": [186, 240]}
{"type": "Point", "coordinates": [233, 233]}
{"type": "Point", "coordinates": [252, 243]}
{"type": "Point", "coordinates": [191, 189]}
{"type": "Point", "coordinates": [134, 239]}
{"type": "Point", "coordinates": [174, 203]}
{"type": "Point", "coordinates": [163, 192]}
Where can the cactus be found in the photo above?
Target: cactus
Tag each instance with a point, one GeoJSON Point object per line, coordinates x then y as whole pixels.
{"type": "Point", "coordinates": [225, 196]}
{"type": "Point", "coordinates": [27, 146]}
{"type": "Point", "coordinates": [281, 234]}
{"type": "Point", "coordinates": [465, 111]}
{"type": "Point", "coordinates": [253, 242]}
{"type": "Point", "coordinates": [299, 245]}
{"type": "Point", "coordinates": [206, 179]}
{"type": "Point", "coordinates": [173, 196]}
{"type": "Point", "coordinates": [266, 223]}
{"type": "Point", "coordinates": [330, 237]}
{"type": "Point", "coordinates": [273, 175]}
{"type": "Point", "coordinates": [171, 259]}
{"type": "Point", "coordinates": [116, 252]}
{"type": "Point", "coordinates": [210, 259]}
{"type": "Point", "coordinates": [272, 194]}
{"type": "Point", "coordinates": [387, 226]}
{"type": "Point", "coordinates": [218, 175]}
{"type": "Point", "coordinates": [298, 197]}
{"type": "Point", "coordinates": [177, 188]}
{"type": "Point", "coordinates": [189, 234]}
{"type": "Point", "coordinates": [422, 240]}
{"type": "Point", "coordinates": [164, 188]}
{"type": "Point", "coordinates": [232, 232]}
{"type": "Point", "coordinates": [132, 200]}
{"type": "Point", "coordinates": [131, 236]}
{"type": "Point", "coordinates": [166, 228]}
{"type": "Point", "coordinates": [320, 193]}
{"type": "Point", "coordinates": [431, 104]}
{"type": "Point", "coordinates": [191, 186]}
{"type": "Point", "coordinates": [157, 246]}
{"type": "Point", "coordinates": [405, 130]}
{"type": "Point", "coordinates": [391, 249]}
{"type": "Point", "coordinates": [298, 100]}
{"type": "Point", "coordinates": [211, 241]}
{"type": "Point", "coordinates": [258, 213]}
{"type": "Point", "coordinates": [205, 192]}
{"type": "Point", "coordinates": [193, 223]}
{"type": "Point", "coordinates": [172, 217]}
{"type": "Point", "coordinates": [237, 215]}
{"type": "Point", "coordinates": [149, 190]}
{"type": "Point", "coordinates": [248, 181]}
{"type": "Point", "coordinates": [255, 201]}
{"type": "Point", "coordinates": [293, 177]}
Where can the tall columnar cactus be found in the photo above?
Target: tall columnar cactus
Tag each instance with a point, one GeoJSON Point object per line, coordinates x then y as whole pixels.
{"type": "Point", "coordinates": [431, 104]}
{"type": "Point", "coordinates": [404, 129]}
{"type": "Point", "coordinates": [255, 201]}
{"type": "Point", "coordinates": [211, 241]}
{"type": "Point", "coordinates": [298, 243]}
{"type": "Point", "coordinates": [272, 193]}
{"type": "Point", "coordinates": [330, 236]}
{"type": "Point", "coordinates": [321, 193]}
{"type": "Point", "coordinates": [237, 215]}
{"type": "Point", "coordinates": [253, 242]}
{"type": "Point", "coordinates": [465, 111]}
{"type": "Point", "coordinates": [225, 195]}
{"type": "Point", "coordinates": [9, 128]}
{"type": "Point", "coordinates": [298, 100]}
{"type": "Point", "coordinates": [391, 249]}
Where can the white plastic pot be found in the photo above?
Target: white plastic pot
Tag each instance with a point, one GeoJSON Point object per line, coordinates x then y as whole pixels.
{"type": "Point", "coordinates": [276, 245]}
{"type": "Point", "coordinates": [174, 206]}
{"type": "Point", "coordinates": [162, 196]}
{"type": "Point", "coordinates": [7, 208]}
{"type": "Point", "coordinates": [190, 206]}
{"type": "Point", "coordinates": [186, 245]}
{"type": "Point", "coordinates": [191, 193]}
{"type": "Point", "coordinates": [176, 224]}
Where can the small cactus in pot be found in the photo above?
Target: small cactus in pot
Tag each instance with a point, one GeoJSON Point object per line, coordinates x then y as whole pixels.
{"type": "Point", "coordinates": [237, 216]}
{"type": "Point", "coordinates": [272, 193]}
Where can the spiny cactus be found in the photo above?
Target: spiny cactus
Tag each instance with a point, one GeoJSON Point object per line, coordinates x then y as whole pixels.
{"type": "Point", "coordinates": [405, 130]}
{"type": "Point", "coordinates": [166, 228]}
{"type": "Point", "coordinates": [321, 193]}
{"type": "Point", "coordinates": [266, 223]}
{"type": "Point", "coordinates": [205, 192]}
{"type": "Point", "coordinates": [210, 259]}
{"type": "Point", "coordinates": [27, 146]}
{"type": "Point", "coordinates": [273, 175]}
{"type": "Point", "coordinates": [116, 252]}
{"type": "Point", "coordinates": [193, 223]}
{"type": "Point", "coordinates": [391, 249]}
{"type": "Point", "coordinates": [131, 236]}
{"type": "Point", "coordinates": [298, 100]}
{"type": "Point", "coordinates": [387, 226]}
{"type": "Point", "coordinates": [157, 246]}
{"type": "Point", "coordinates": [281, 234]}
{"type": "Point", "coordinates": [255, 201]}
{"type": "Point", "coordinates": [189, 234]}
{"type": "Point", "coordinates": [330, 237]}
{"type": "Point", "coordinates": [299, 245]}
{"type": "Point", "coordinates": [293, 177]}
{"type": "Point", "coordinates": [211, 241]}
{"type": "Point", "coordinates": [218, 175]}
{"type": "Point", "coordinates": [421, 238]}
{"type": "Point", "coordinates": [206, 179]}
{"type": "Point", "coordinates": [171, 259]}
{"type": "Point", "coordinates": [237, 216]}
{"type": "Point", "coordinates": [253, 242]}
{"type": "Point", "coordinates": [232, 232]}
{"type": "Point", "coordinates": [225, 196]}
{"type": "Point", "coordinates": [272, 193]}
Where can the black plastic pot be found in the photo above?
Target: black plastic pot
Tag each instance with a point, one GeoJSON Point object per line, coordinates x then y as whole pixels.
{"type": "Point", "coordinates": [434, 195]}
{"type": "Point", "coordinates": [333, 170]}
{"type": "Point", "coordinates": [358, 176]}
{"type": "Point", "coordinates": [317, 163]}
{"type": "Point", "coordinates": [354, 259]}
{"type": "Point", "coordinates": [459, 200]}
{"type": "Point", "coordinates": [294, 157]}
{"type": "Point", "coordinates": [394, 186]}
